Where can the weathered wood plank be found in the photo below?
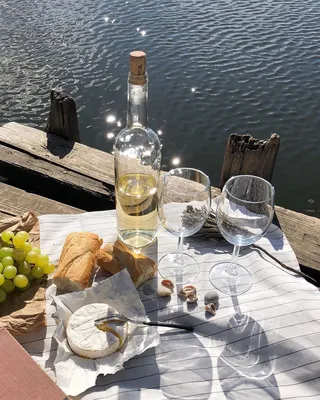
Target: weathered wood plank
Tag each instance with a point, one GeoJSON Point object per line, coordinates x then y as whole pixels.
{"type": "Point", "coordinates": [87, 161]}
{"type": "Point", "coordinates": [303, 233]}
{"type": "Point", "coordinates": [26, 162]}
{"type": "Point", "coordinates": [63, 119]}
{"type": "Point", "coordinates": [245, 155]}
{"type": "Point", "coordinates": [16, 202]}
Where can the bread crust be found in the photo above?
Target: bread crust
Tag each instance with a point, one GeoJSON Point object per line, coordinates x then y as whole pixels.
{"type": "Point", "coordinates": [77, 261]}
{"type": "Point", "coordinates": [117, 257]}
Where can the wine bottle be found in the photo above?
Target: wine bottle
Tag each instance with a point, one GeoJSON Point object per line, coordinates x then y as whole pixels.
{"type": "Point", "coordinates": [137, 157]}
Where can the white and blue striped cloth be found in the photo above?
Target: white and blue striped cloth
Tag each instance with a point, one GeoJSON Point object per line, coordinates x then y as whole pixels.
{"type": "Point", "coordinates": [264, 344]}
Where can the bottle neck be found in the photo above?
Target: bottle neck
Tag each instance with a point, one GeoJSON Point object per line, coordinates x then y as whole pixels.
{"type": "Point", "coordinates": [137, 114]}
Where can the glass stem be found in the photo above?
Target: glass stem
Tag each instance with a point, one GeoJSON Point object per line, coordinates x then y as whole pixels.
{"type": "Point", "coordinates": [179, 259]}
{"type": "Point", "coordinates": [233, 264]}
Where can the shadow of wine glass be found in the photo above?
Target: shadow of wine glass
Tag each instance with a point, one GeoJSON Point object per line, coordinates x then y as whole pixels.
{"type": "Point", "coordinates": [185, 369]}
{"type": "Point", "coordinates": [245, 362]}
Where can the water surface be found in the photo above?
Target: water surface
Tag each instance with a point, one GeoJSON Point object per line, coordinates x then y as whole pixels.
{"type": "Point", "coordinates": [215, 68]}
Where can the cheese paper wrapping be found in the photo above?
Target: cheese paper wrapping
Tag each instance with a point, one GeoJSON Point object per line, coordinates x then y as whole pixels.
{"type": "Point", "coordinates": [76, 374]}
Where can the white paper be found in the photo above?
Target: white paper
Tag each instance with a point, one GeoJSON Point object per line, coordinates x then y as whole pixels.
{"type": "Point", "coordinates": [76, 374]}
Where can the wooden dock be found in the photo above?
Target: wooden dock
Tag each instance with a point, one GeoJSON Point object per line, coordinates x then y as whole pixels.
{"type": "Point", "coordinates": [44, 173]}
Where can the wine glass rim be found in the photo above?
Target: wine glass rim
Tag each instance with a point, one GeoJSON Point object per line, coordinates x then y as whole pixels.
{"type": "Point", "coordinates": [206, 186]}
{"type": "Point", "coordinates": [247, 201]}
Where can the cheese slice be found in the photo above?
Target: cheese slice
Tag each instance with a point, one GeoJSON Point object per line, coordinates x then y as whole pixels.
{"type": "Point", "coordinates": [86, 340]}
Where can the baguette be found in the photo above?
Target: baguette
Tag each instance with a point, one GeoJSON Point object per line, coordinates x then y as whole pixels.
{"type": "Point", "coordinates": [117, 257]}
{"type": "Point", "coordinates": [77, 261]}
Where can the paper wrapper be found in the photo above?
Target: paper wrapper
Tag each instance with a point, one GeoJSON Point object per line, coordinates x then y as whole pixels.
{"type": "Point", "coordinates": [76, 374]}
{"type": "Point", "coordinates": [23, 312]}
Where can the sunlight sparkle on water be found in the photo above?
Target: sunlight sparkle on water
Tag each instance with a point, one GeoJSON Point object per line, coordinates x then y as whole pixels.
{"type": "Point", "coordinates": [175, 161]}
{"type": "Point", "coordinates": [193, 89]}
{"type": "Point", "coordinates": [111, 119]}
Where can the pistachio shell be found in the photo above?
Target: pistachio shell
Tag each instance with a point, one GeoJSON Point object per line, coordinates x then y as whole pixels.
{"type": "Point", "coordinates": [192, 298]}
{"type": "Point", "coordinates": [164, 291]}
{"type": "Point", "coordinates": [188, 290]}
{"type": "Point", "coordinates": [211, 308]}
{"type": "Point", "coordinates": [167, 283]}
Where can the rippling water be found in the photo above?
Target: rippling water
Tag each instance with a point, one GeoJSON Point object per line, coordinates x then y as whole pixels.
{"type": "Point", "coordinates": [215, 67]}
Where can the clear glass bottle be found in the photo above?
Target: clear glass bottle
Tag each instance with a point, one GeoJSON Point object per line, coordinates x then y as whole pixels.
{"type": "Point", "coordinates": [137, 158]}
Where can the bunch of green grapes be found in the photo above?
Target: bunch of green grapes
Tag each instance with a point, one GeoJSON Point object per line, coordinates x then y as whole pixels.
{"type": "Point", "coordinates": [20, 263]}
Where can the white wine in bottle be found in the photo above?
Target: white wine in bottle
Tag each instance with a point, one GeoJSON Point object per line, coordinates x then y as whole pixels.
{"type": "Point", "coordinates": [137, 209]}
{"type": "Point", "coordinates": [137, 155]}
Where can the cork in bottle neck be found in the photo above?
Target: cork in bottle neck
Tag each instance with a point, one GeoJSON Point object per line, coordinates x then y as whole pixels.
{"type": "Point", "coordinates": [138, 62]}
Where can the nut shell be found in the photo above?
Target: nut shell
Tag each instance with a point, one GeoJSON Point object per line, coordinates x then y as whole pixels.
{"type": "Point", "coordinates": [167, 283]}
{"type": "Point", "coordinates": [188, 290]}
{"type": "Point", "coordinates": [192, 299]}
{"type": "Point", "coordinates": [211, 308]}
{"type": "Point", "coordinates": [164, 291]}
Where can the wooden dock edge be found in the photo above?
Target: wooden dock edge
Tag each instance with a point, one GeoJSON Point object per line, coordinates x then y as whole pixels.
{"type": "Point", "coordinates": [34, 153]}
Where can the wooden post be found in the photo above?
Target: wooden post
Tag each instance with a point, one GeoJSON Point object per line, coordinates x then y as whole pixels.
{"type": "Point", "coordinates": [63, 120]}
{"type": "Point", "coordinates": [247, 155]}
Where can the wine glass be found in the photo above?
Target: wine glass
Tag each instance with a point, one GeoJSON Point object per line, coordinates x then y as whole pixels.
{"type": "Point", "coordinates": [244, 214]}
{"type": "Point", "coordinates": [183, 189]}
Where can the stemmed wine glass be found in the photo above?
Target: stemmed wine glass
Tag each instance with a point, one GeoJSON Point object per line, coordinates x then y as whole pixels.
{"type": "Point", "coordinates": [182, 190]}
{"type": "Point", "coordinates": [244, 214]}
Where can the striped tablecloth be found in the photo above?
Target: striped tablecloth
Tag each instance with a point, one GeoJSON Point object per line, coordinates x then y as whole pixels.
{"type": "Point", "coordinates": [264, 344]}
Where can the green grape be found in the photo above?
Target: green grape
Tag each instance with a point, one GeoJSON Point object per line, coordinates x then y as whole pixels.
{"type": "Point", "coordinates": [27, 247]}
{"type": "Point", "coordinates": [6, 252]}
{"type": "Point", "coordinates": [37, 272]}
{"type": "Point", "coordinates": [1, 268]}
{"type": "Point", "coordinates": [30, 277]}
{"type": "Point", "coordinates": [24, 268]}
{"type": "Point", "coordinates": [10, 272]}
{"type": "Point", "coordinates": [20, 281]}
{"type": "Point", "coordinates": [3, 295]}
{"type": "Point", "coordinates": [18, 242]}
{"type": "Point", "coordinates": [1, 279]}
{"type": "Point", "coordinates": [42, 260]}
{"type": "Point", "coordinates": [48, 269]}
{"type": "Point", "coordinates": [7, 261]}
{"type": "Point", "coordinates": [7, 236]}
{"type": "Point", "coordinates": [18, 254]}
{"type": "Point", "coordinates": [31, 257]}
{"type": "Point", "coordinates": [36, 250]}
{"type": "Point", "coordinates": [25, 288]}
{"type": "Point", "coordinates": [8, 286]}
{"type": "Point", "coordinates": [23, 235]}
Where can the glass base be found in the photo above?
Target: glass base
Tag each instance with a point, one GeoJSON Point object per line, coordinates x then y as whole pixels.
{"type": "Point", "coordinates": [227, 283]}
{"type": "Point", "coordinates": [183, 273]}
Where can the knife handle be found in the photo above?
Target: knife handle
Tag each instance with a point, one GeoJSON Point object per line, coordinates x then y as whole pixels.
{"type": "Point", "coordinates": [168, 325]}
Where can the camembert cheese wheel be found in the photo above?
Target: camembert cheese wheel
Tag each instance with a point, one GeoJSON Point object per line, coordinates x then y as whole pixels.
{"type": "Point", "coordinates": [86, 340]}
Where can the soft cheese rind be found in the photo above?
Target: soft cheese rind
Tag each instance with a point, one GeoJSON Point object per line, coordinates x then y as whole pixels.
{"type": "Point", "coordinates": [86, 340]}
